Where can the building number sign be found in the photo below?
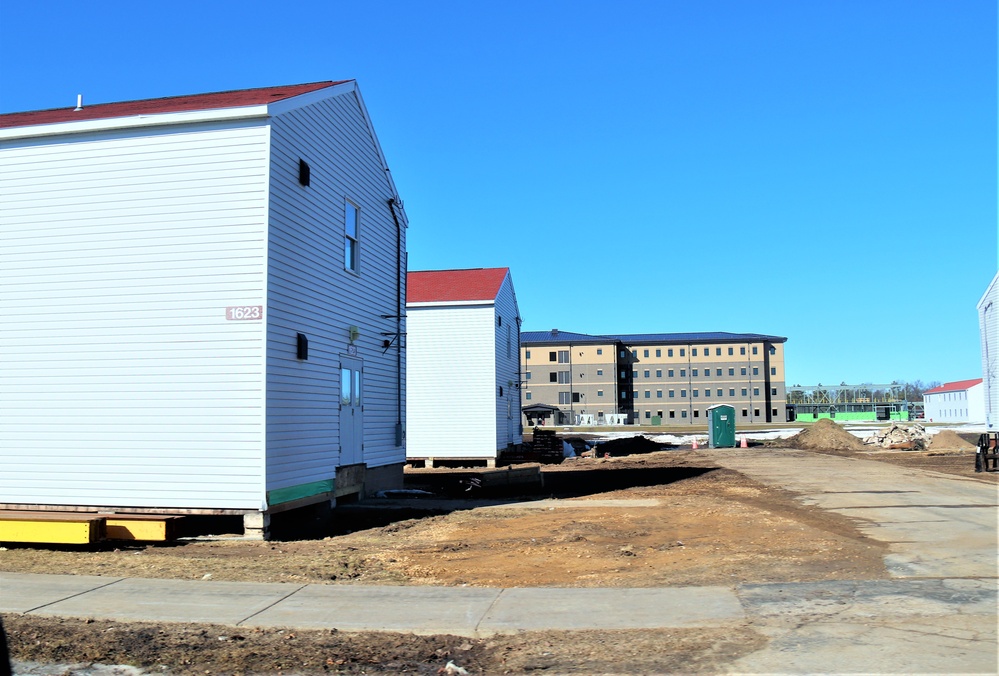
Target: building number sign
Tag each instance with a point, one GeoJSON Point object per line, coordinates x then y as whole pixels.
{"type": "Point", "coordinates": [244, 312]}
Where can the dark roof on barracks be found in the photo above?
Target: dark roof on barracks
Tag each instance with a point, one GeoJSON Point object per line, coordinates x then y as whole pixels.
{"type": "Point", "coordinates": [567, 337]}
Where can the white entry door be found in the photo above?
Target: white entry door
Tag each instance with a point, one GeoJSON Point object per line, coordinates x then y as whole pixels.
{"type": "Point", "coordinates": [351, 411]}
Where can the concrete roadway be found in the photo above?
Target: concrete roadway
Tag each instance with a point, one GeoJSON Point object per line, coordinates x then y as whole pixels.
{"type": "Point", "coordinates": [938, 613]}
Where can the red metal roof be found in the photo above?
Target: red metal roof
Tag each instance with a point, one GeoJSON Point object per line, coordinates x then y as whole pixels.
{"type": "Point", "coordinates": [956, 386]}
{"type": "Point", "coordinates": [170, 104]}
{"type": "Point", "coordinates": [432, 286]}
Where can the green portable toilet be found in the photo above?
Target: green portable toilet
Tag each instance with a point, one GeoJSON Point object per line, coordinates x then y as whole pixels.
{"type": "Point", "coordinates": [721, 426]}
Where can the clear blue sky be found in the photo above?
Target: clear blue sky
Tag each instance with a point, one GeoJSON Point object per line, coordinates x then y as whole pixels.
{"type": "Point", "coordinates": [821, 170]}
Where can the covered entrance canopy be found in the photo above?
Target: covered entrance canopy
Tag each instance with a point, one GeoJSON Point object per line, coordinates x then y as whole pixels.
{"type": "Point", "coordinates": [538, 414]}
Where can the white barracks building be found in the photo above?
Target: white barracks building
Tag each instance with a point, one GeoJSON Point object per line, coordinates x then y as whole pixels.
{"type": "Point", "coordinates": [201, 297]}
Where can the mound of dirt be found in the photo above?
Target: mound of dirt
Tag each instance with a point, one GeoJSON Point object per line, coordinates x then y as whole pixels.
{"type": "Point", "coordinates": [629, 446]}
{"type": "Point", "coordinates": [824, 434]}
{"type": "Point", "coordinates": [949, 440]}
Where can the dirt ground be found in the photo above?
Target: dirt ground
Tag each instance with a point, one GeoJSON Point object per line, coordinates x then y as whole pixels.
{"type": "Point", "coordinates": [701, 526]}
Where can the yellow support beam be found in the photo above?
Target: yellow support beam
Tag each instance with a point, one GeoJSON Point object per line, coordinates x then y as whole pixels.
{"type": "Point", "coordinates": [70, 531]}
{"type": "Point", "coordinates": [160, 529]}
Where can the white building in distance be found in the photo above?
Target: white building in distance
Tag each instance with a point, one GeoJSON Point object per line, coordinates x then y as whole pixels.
{"type": "Point", "coordinates": [961, 401]}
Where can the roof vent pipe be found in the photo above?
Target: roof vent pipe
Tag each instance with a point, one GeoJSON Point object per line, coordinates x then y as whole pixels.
{"type": "Point", "coordinates": [554, 333]}
{"type": "Point", "coordinates": [79, 102]}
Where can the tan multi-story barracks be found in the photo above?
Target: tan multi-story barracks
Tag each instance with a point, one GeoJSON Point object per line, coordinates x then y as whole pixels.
{"type": "Point", "coordinates": [654, 378]}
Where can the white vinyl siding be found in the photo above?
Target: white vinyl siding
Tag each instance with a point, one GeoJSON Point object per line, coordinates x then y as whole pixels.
{"type": "Point", "coordinates": [311, 292]}
{"type": "Point", "coordinates": [508, 406]}
{"type": "Point", "coordinates": [988, 326]}
{"type": "Point", "coordinates": [451, 382]}
{"type": "Point", "coordinates": [122, 381]}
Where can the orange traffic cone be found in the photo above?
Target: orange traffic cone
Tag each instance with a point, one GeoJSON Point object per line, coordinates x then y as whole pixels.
{"type": "Point", "coordinates": [743, 444]}
{"type": "Point", "coordinates": [695, 443]}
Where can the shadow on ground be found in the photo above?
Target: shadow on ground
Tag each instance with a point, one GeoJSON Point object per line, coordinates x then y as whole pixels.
{"type": "Point", "coordinates": [450, 491]}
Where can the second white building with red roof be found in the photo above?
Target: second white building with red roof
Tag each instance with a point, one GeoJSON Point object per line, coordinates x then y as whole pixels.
{"type": "Point", "coordinates": [462, 365]}
{"type": "Point", "coordinates": [960, 401]}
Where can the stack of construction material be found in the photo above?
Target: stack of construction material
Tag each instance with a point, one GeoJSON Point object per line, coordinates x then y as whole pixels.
{"type": "Point", "coordinates": [906, 437]}
{"type": "Point", "coordinates": [547, 446]}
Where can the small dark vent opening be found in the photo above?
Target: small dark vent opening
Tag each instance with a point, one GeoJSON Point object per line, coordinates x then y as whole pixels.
{"type": "Point", "coordinates": [303, 347]}
{"type": "Point", "coordinates": [304, 173]}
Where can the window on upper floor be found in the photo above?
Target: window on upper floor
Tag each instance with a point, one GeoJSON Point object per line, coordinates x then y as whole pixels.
{"type": "Point", "coordinates": [351, 237]}
{"type": "Point", "coordinates": [527, 354]}
{"type": "Point", "coordinates": [600, 351]}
